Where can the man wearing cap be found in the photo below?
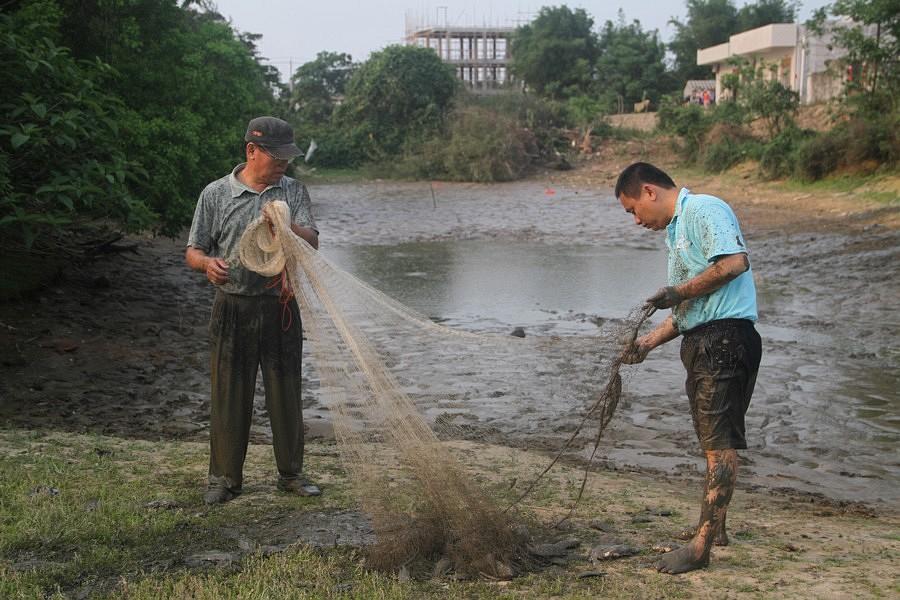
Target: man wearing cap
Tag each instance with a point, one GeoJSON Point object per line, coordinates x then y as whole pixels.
{"type": "Point", "coordinates": [713, 300]}
{"type": "Point", "coordinates": [249, 328]}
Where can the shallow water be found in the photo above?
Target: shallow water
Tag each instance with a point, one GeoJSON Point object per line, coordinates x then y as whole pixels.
{"type": "Point", "coordinates": [490, 258]}
{"type": "Point", "coordinates": [475, 283]}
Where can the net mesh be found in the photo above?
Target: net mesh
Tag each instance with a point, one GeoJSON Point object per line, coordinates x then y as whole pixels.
{"type": "Point", "coordinates": [399, 386]}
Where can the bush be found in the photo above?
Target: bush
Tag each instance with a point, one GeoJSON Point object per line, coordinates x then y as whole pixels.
{"type": "Point", "coordinates": [688, 121]}
{"type": "Point", "coordinates": [61, 150]}
{"type": "Point", "coordinates": [486, 146]}
{"type": "Point", "coordinates": [779, 157]}
{"type": "Point", "coordinates": [859, 144]}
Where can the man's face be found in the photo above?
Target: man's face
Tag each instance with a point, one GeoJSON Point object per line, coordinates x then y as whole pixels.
{"type": "Point", "coordinates": [268, 168]}
{"type": "Point", "coordinates": [647, 209]}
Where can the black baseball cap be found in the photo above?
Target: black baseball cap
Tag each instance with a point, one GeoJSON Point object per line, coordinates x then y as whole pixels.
{"type": "Point", "coordinates": [273, 134]}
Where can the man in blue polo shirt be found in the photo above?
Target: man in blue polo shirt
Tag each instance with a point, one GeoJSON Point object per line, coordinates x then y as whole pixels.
{"type": "Point", "coordinates": [713, 300]}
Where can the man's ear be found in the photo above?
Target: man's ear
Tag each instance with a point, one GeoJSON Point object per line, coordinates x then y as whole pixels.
{"type": "Point", "coordinates": [651, 191]}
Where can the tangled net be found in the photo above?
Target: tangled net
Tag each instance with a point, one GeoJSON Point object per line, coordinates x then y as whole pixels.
{"type": "Point", "coordinates": [387, 371]}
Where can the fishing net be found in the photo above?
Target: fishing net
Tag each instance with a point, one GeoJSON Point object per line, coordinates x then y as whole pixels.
{"type": "Point", "coordinates": [403, 389]}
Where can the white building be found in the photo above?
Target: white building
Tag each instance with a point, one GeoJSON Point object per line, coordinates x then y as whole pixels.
{"type": "Point", "coordinates": [799, 59]}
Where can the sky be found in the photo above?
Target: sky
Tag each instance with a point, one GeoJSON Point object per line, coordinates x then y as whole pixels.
{"type": "Point", "coordinates": [294, 31]}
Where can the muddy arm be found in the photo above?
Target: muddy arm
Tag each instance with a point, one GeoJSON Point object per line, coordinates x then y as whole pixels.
{"type": "Point", "coordinates": [723, 270]}
{"type": "Point", "coordinates": [637, 352]}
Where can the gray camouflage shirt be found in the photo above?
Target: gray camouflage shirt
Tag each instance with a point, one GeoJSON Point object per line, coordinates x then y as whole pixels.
{"type": "Point", "coordinates": [225, 208]}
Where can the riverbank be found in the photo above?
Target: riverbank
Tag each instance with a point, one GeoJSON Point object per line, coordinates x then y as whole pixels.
{"type": "Point", "coordinates": [103, 396]}
{"type": "Point", "coordinates": [101, 516]}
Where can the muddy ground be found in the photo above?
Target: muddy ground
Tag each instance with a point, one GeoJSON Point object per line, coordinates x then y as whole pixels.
{"type": "Point", "coordinates": [117, 345]}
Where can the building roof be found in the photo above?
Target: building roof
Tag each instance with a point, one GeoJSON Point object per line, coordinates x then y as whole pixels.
{"type": "Point", "coordinates": [698, 85]}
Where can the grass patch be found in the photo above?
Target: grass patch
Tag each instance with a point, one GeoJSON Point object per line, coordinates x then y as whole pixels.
{"type": "Point", "coordinates": [75, 520]}
{"type": "Point", "coordinates": [326, 175]}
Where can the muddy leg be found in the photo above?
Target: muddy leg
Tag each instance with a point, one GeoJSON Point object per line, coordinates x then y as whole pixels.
{"type": "Point", "coordinates": [721, 538]}
{"type": "Point", "coordinates": [721, 473]}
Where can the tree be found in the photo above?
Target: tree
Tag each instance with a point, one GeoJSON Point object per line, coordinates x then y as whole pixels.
{"type": "Point", "coordinates": [709, 22]}
{"type": "Point", "coordinates": [631, 65]}
{"type": "Point", "coordinates": [317, 83]}
{"type": "Point", "coordinates": [554, 54]}
{"type": "Point", "coordinates": [872, 41]}
{"type": "Point", "coordinates": [396, 99]}
{"type": "Point", "coordinates": [765, 12]}
{"type": "Point", "coordinates": [61, 152]}
{"type": "Point", "coordinates": [712, 22]}
{"type": "Point", "coordinates": [189, 84]}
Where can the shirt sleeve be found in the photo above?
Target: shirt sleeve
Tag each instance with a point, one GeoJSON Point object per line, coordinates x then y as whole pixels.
{"type": "Point", "coordinates": [301, 209]}
{"type": "Point", "coordinates": [716, 230]}
{"type": "Point", "coordinates": [202, 226]}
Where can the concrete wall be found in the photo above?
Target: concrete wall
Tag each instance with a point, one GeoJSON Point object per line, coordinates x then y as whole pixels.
{"type": "Point", "coordinates": [639, 121]}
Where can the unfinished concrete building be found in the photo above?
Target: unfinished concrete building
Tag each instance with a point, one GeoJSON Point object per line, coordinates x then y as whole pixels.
{"type": "Point", "coordinates": [479, 55]}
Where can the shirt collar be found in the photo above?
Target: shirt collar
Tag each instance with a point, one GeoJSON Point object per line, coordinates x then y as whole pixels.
{"type": "Point", "coordinates": [679, 204]}
{"type": "Point", "coordinates": [238, 187]}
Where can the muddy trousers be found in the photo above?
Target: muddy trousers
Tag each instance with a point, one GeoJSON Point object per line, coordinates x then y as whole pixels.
{"type": "Point", "coordinates": [247, 334]}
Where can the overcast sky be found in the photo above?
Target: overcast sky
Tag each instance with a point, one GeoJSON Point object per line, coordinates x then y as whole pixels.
{"type": "Point", "coordinates": [296, 30]}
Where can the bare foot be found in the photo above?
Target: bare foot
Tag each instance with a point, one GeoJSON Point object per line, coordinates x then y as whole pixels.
{"type": "Point", "coordinates": [721, 538]}
{"type": "Point", "coordinates": [687, 558]}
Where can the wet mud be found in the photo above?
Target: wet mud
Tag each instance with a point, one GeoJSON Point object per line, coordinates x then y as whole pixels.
{"type": "Point", "coordinates": [118, 346]}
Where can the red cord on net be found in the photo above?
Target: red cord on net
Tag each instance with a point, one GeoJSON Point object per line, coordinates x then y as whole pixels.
{"type": "Point", "coordinates": [285, 296]}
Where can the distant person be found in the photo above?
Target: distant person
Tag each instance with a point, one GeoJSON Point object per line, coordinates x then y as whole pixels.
{"type": "Point", "coordinates": [713, 300]}
{"type": "Point", "coordinates": [706, 98]}
{"type": "Point", "coordinates": [249, 327]}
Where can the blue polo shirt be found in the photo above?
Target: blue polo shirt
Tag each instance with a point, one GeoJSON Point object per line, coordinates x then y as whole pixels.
{"type": "Point", "coordinates": [703, 228]}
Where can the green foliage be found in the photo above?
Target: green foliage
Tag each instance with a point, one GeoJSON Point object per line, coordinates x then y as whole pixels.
{"type": "Point", "coordinates": [555, 54]}
{"type": "Point", "coordinates": [761, 96]}
{"type": "Point", "coordinates": [871, 37]}
{"type": "Point", "coordinates": [486, 146]}
{"type": "Point", "coordinates": [122, 109]}
{"type": "Point", "coordinates": [317, 84]}
{"type": "Point", "coordinates": [190, 83]}
{"type": "Point", "coordinates": [542, 117]}
{"type": "Point", "coordinates": [396, 100]}
{"type": "Point", "coordinates": [765, 12]}
{"type": "Point", "coordinates": [709, 22]}
{"type": "Point", "coordinates": [725, 145]}
{"type": "Point", "coordinates": [857, 144]}
{"type": "Point", "coordinates": [712, 22]}
{"type": "Point", "coordinates": [690, 122]}
{"type": "Point", "coordinates": [631, 65]}
{"type": "Point", "coordinates": [779, 157]}
{"type": "Point", "coordinates": [61, 152]}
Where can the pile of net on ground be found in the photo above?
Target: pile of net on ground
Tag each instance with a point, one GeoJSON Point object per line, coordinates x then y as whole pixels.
{"type": "Point", "coordinates": [402, 390]}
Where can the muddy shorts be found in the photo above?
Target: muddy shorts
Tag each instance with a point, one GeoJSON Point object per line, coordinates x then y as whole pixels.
{"type": "Point", "coordinates": [722, 360]}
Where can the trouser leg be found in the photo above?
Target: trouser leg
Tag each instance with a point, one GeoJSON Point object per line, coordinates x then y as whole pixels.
{"type": "Point", "coordinates": [234, 360]}
{"type": "Point", "coordinates": [280, 355]}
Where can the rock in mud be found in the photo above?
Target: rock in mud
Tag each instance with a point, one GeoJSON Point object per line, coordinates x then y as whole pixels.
{"type": "Point", "coordinates": [588, 574]}
{"type": "Point", "coordinates": [518, 332]}
{"type": "Point", "coordinates": [43, 490]}
{"type": "Point", "coordinates": [601, 553]}
{"type": "Point", "coordinates": [162, 504]}
{"type": "Point", "coordinates": [211, 557]}
{"type": "Point", "coordinates": [441, 568]}
{"type": "Point", "coordinates": [556, 549]}
{"type": "Point", "coordinates": [602, 525]}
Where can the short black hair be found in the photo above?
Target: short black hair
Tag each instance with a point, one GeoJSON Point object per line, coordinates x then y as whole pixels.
{"type": "Point", "coordinates": [637, 174]}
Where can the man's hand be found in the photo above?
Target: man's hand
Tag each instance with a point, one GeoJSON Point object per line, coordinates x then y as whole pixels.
{"type": "Point", "coordinates": [666, 297]}
{"type": "Point", "coordinates": [637, 351]}
{"type": "Point", "coordinates": [217, 271]}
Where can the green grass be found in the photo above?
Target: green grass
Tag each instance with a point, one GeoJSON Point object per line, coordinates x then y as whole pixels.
{"type": "Point", "coordinates": [325, 175]}
{"type": "Point", "coordinates": [843, 184]}
{"type": "Point", "coordinates": [74, 520]}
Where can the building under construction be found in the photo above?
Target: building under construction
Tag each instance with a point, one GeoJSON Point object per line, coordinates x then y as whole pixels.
{"type": "Point", "coordinates": [479, 55]}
